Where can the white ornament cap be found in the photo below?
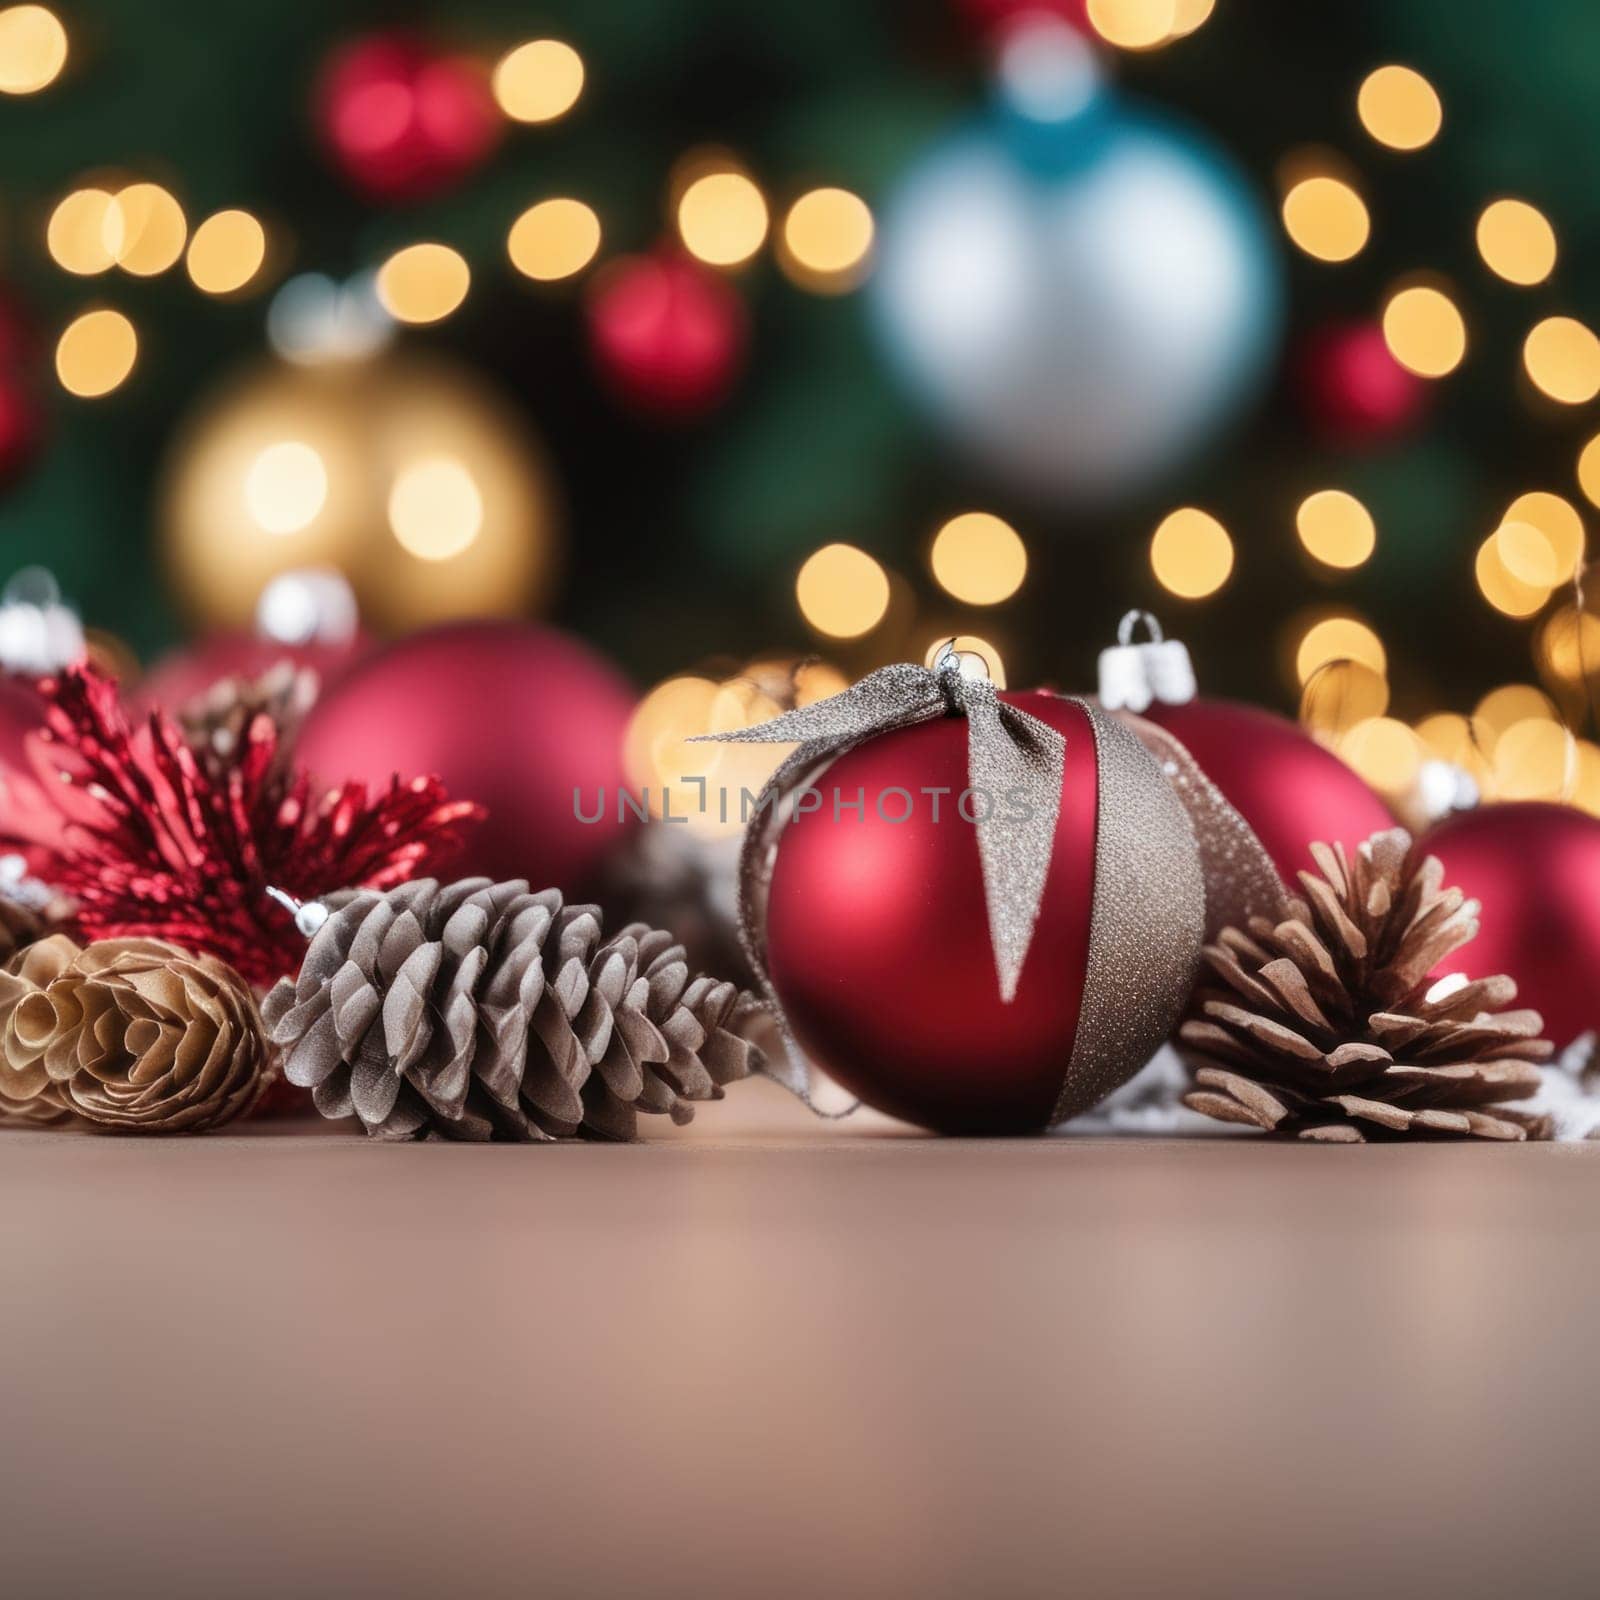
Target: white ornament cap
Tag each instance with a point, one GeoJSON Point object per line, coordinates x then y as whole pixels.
{"type": "Point", "coordinates": [1133, 677]}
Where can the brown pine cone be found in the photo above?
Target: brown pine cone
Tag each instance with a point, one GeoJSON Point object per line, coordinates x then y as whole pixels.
{"type": "Point", "coordinates": [138, 1036]}
{"type": "Point", "coordinates": [480, 1011]}
{"type": "Point", "coordinates": [216, 722]}
{"type": "Point", "coordinates": [27, 1095]}
{"type": "Point", "coordinates": [1329, 1025]}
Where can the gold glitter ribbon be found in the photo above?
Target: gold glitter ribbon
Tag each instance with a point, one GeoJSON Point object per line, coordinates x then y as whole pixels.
{"type": "Point", "coordinates": [1011, 755]}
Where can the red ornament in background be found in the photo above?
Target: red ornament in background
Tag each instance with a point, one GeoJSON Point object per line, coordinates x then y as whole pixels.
{"type": "Point", "coordinates": [991, 16]}
{"type": "Point", "coordinates": [513, 716]}
{"type": "Point", "coordinates": [1536, 870]}
{"type": "Point", "coordinates": [878, 938]}
{"type": "Point", "coordinates": [668, 334]}
{"type": "Point", "coordinates": [1291, 791]}
{"type": "Point", "coordinates": [1354, 390]}
{"type": "Point", "coordinates": [403, 122]}
{"type": "Point", "coordinates": [184, 674]}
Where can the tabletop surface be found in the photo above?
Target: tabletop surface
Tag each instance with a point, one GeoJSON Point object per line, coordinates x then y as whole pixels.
{"type": "Point", "coordinates": [767, 1356]}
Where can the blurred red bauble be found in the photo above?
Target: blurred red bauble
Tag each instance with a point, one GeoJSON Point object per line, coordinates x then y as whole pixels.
{"type": "Point", "coordinates": [668, 334]}
{"type": "Point", "coordinates": [1535, 868]}
{"type": "Point", "coordinates": [1354, 390]}
{"type": "Point", "coordinates": [402, 122]}
{"type": "Point", "coordinates": [993, 15]}
{"type": "Point", "coordinates": [21, 426]}
{"type": "Point", "coordinates": [510, 715]}
{"type": "Point", "coordinates": [1290, 790]}
{"type": "Point", "coordinates": [184, 674]}
{"type": "Point", "coordinates": [878, 935]}
{"type": "Point", "coordinates": [21, 713]}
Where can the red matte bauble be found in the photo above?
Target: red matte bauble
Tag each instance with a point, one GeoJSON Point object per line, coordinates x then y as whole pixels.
{"type": "Point", "coordinates": [513, 716]}
{"type": "Point", "coordinates": [878, 935]}
{"type": "Point", "coordinates": [1291, 791]}
{"type": "Point", "coordinates": [184, 674]}
{"type": "Point", "coordinates": [1535, 869]}
{"type": "Point", "coordinates": [998, 15]}
{"type": "Point", "coordinates": [668, 334]}
{"type": "Point", "coordinates": [403, 122]}
{"type": "Point", "coordinates": [1355, 392]}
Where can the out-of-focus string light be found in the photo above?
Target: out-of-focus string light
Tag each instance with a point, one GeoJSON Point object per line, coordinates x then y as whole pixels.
{"type": "Point", "coordinates": [1535, 759]}
{"type": "Point", "coordinates": [1134, 24]}
{"type": "Point", "coordinates": [1326, 218]}
{"type": "Point", "coordinates": [1507, 706]}
{"type": "Point", "coordinates": [33, 49]}
{"type": "Point", "coordinates": [1568, 649]}
{"type": "Point", "coordinates": [979, 559]}
{"type": "Point", "coordinates": [827, 239]}
{"type": "Point", "coordinates": [1425, 331]}
{"type": "Point", "coordinates": [95, 353]}
{"type": "Point", "coordinates": [1385, 752]}
{"type": "Point", "coordinates": [1191, 554]}
{"type": "Point", "coordinates": [1589, 470]}
{"type": "Point", "coordinates": [1339, 638]}
{"type": "Point", "coordinates": [1501, 588]}
{"type": "Point", "coordinates": [554, 239]}
{"type": "Point", "coordinates": [970, 644]}
{"type": "Point", "coordinates": [1561, 525]}
{"type": "Point", "coordinates": [84, 233]}
{"type": "Point", "coordinates": [423, 283]}
{"type": "Point", "coordinates": [435, 508]}
{"type": "Point", "coordinates": [842, 591]}
{"type": "Point", "coordinates": [722, 218]}
{"type": "Point", "coordinates": [226, 252]}
{"type": "Point", "coordinates": [152, 231]}
{"type": "Point", "coordinates": [286, 486]}
{"type": "Point", "coordinates": [1399, 108]}
{"type": "Point", "coordinates": [1188, 15]}
{"type": "Point", "coordinates": [1517, 242]}
{"type": "Point", "coordinates": [1341, 694]}
{"type": "Point", "coordinates": [313, 319]}
{"type": "Point", "coordinates": [1586, 778]}
{"type": "Point", "coordinates": [1562, 357]}
{"type": "Point", "coordinates": [1336, 528]}
{"type": "Point", "coordinates": [538, 81]}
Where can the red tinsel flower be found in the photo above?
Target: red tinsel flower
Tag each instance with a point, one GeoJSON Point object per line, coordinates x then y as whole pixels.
{"type": "Point", "coordinates": [152, 845]}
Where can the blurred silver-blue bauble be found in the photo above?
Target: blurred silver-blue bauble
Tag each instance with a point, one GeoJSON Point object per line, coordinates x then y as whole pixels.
{"type": "Point", "coordinates": [1082, 294]}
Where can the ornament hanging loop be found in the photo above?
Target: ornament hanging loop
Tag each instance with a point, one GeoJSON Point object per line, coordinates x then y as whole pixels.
{"type": "Point", "coordinates": [1133, 677]}
{"type": "Point", "coordinates": [1131, 620]}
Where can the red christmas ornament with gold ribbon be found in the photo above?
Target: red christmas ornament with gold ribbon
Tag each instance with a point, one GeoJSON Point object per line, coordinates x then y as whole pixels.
{"type": "Point", "coordinates": [979, 912]}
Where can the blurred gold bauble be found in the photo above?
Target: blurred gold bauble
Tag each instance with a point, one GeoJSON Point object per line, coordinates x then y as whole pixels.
{"type": "Point", "coordinates": [408, 474]}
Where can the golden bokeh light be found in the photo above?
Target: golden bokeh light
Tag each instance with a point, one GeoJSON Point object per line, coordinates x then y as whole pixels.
{"type": "Point", "coordinates": [1336, 528]}
{"type": "Point", "coordinates": [226, 252]}
{"type": "Point", "coordinates": [1517, 242]}
{"type": "Point", "coordinates": [1586, 778]}
{"type": "Point", "coordinates": [827, 239]}
{"type": "Point", "coordinates": [84, 234]}
{"type": "Point", "coordinates": [722, 218]}
{"type": "Point", "coordinates": [152, 229]}
{"type": "Point", "coordinates": [1562, 358]}
{"type": "Point", "coordinates": [1527, 555]}
{"type": "Point", "coordinates": [1511, 703]}
{"type": "Point", "coordinates": [1569, 646]}
{"type": "Point", "coordinates": [1534, 760]}
{"type": "Point", "coordinates": [1336, 639]}
{"type": "Point", "coordinates": [1342, 694]}
{"type": "Point", "coordinates": [979, 559]}
{"type": "Point", "coordinates": [970, 644]}
{"type": "Point", "coordinates": [538, 81]}
{"type": "Point", "coordinates": [1385, 752]}
{"type": "Point", "coordinates": [842, 591]}
{"type": "Point", "coordinates": [1400, 108]}
{"type": "Point", "coordinates": [554, 239]}
{"type": "Point", "coordinates": [1187, 15]}
{"type": "Point", "coordinates": [96, 353]}
{"type": "Point", "coordinates": [1504, 592]}
{"type": "Point", "coordinates": [1191, 554]}
{"type": "Point", "coordinates": [423, 283]}
{"type": "Point", "coordinates": [33, 49]}
{"type": "Point", "coordinates": [435, 508]}
{"type": "Point", "coordinates": [1134, 24]}
{"type": "Point", "coordinates": [1326, 218]}
{"type": "Point", "coordinates": [1561, 524]}
{"type": "Point", "coordinates": [1425, 331]}
{"type": "Point", "coordinates": [1589, 470]}
{"type": "Point", "coordinates": [286, 486]}
{"type": "Point", "coordinates": [1450, 737]}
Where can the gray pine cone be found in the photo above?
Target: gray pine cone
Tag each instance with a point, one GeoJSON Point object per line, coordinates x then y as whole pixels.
{"type": "Point", "coordinates": [477, 1010]}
